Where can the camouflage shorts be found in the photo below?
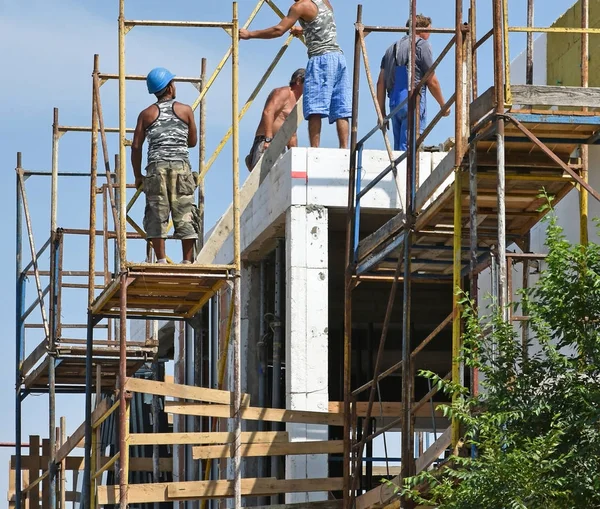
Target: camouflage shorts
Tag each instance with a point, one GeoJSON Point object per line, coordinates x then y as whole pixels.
{"type": "Point", "coordinates": [169, 187]}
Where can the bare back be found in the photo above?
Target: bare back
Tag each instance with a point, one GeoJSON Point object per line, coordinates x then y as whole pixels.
{"type": "Point", "coordinates": [279, 105]}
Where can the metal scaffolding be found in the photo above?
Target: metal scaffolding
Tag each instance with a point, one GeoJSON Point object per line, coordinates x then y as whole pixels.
{"type": "Point", "coordinates": [509, 134]}
{"type": "Point", "coordinates": [128, 290]}
{"type": "Point", "coordinates": [507, 144]}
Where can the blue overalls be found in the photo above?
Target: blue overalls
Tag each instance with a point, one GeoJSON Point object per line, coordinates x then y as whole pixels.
{"type": "Point", "coordinates": [397, 95]}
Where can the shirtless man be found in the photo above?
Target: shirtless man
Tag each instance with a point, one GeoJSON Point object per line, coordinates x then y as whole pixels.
{"type": "Point", "coordinates": [279, 105]}
{"type": "Point", "coordinates": [327, 91]}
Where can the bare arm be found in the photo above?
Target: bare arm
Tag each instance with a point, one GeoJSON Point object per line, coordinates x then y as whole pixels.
{"type": "Point", "coordinates": [381, 92]}
{"type": "Point", "coordinates": [139, 136]}
{"type": "Point", "coordinates": [436, 90]}
{"type": "Point", "coordinates": [275, 31]}
{"type": "Point", "coordinates": [192, 130]}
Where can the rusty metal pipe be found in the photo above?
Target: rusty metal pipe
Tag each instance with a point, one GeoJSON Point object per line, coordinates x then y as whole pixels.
{"type": "Point", "coordinates": [347, 381]}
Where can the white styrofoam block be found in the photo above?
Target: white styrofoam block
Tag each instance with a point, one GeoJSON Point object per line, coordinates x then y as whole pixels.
{"type": "Point", "coordinates": [425, 165]}
{"type": "Point", "coordinates": [327, 186]}
{"type": "Point", "coordinates": [295, 336]}
{"type": "Point", "coordinates": [328, 171]}
{"type": "Point", "coordinates": [316, 236]}
{"type": "Point", "coordinates": [295, 233]}
{"type": "Point", "coordinates": [317, 320]}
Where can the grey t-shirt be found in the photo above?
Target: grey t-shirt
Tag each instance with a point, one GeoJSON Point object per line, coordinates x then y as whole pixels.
{"type": "Point", "coordinates": [398, 55]}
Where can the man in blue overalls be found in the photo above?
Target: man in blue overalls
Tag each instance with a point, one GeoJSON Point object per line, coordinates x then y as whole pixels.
{"type": "Point", "coordinates": [393, 81]}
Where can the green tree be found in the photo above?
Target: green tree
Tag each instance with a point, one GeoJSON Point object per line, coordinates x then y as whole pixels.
{"type": "Point", "coordinates": [535, 426]}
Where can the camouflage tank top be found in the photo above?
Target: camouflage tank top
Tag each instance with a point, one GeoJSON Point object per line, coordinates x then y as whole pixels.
{"type": "Point", "coordinates": [320, 34]}
{"type": "Point", "coordinates": [167, 135]}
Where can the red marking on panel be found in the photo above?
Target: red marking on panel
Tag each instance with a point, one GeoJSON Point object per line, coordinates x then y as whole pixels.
{"type": "Point", "coordinates": [300, 175]}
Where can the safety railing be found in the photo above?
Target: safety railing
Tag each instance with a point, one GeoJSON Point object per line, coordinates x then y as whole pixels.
{"type": "Point", "coordinates": [412, 102]}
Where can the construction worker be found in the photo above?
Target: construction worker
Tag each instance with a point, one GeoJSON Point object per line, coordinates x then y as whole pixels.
{"type": "Point", "coordinates": [393, 80]}
{"type": "Point", "coordinates": [327, 90]}
{"type": "Point", "coordinates": [279, 105]}
{"type": "Point", "coordinates": [169, 183]}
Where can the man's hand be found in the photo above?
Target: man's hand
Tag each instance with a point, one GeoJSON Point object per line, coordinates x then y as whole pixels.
{"type": "Point", "coordinates": [447, 112]}
{"type": "Point", "coordinates": [139, 182]}
{"type": "Point", "coordinates": [266, 145]}
{"type": "Point", "coordinates": [245, 34]}
{"type": "Point", "coordinates": [296, 31]}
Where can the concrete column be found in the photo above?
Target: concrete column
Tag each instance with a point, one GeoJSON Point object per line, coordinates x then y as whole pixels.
{"type": "Point", "coordinates": [306, 336]}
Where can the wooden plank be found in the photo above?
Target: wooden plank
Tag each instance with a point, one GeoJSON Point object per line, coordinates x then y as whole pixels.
{"type": "Point", "coordinates": [384, 493]}
{"type": "Point", "coordinates": [328, 504]}
{"type": "Point", "coordinates": [481, 106]}
{"type": "Point", "coordinates": [433, 453]}
{"type": "Point", "coordinates": [253, 487]}
{"type": "Point", "coordinates": [36, 373]}
{"type": "Point", "coordinates": [46, 482]}
{"type": "Point", "coordinates": [12, 481]}
{"type": "Point", "coordinates": [224, 225]}
{"type": "Point", "coordinates": [543, 95]}
{"type": "Point", "coordinates": [386, 409]}
{"type": "Point", "coordinates": [183, 391]}
{"type": "Point", "coordinates": [379, 495]}
{"type": "Point", "coordinates": [256, 437]}
{"type": "Point", "coordinates": [79, 433]}
{"type": "Point", "coordinates": [273, 449]}
{"type": "Point", "coordinates": [382, 471]}
{"type": "Point", "coordinates": [34, 469]}
{"type": "Point", "coordinates": [434, 181]}
{"type": "Point", "coordinates": [105, 296]}
{"type": "Point", "coordinates": [256, 414]}
{"type": "Point", "coordinates": [168, 492]}
{"type": "Point", "coordinates": [70, 496]}
{"type": "Point", "coordinates": [370, 243]}
{"type": "Point", "coordinates": [34, 357]}
{"type": "Point", "coordinates": [77, 463]}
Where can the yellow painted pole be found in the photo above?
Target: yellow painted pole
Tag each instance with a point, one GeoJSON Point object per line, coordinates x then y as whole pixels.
{"type": "Point", "coordinates": [585, 70]}
{"type": "Point", "coordinates": [507, 89]}
{"type": "Point", "coordinates": [223, 61]}
{"type": "Point", "coordinates": [456, 287]}
{"type": "Point", "coordinates": [93, 471]}
{"type": "Point", "coordinates": [247, 106]}
{"type": "Point", "coordinates": [122, 171]}
{"type": "Point", "coordinates": [555, 30]}
{"type": "Point", "coordinates": [237, 380]}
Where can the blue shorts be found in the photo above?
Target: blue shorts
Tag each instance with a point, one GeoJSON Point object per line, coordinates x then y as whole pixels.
{"type": "Point", "coordinates": [327, 90]}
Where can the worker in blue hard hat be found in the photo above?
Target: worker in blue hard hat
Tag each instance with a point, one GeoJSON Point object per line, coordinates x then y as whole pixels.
{"type": "Point", "coordinates": [169, 183]}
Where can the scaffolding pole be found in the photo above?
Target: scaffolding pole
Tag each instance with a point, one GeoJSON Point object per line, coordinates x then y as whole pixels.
{"type": "Point", "coordinates": [348, 281]}
{"type": "Point", "coordinates": [585, 157]}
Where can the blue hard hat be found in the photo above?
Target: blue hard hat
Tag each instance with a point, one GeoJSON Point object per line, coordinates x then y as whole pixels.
{"type": "Point", "coordinates": [158, 79]}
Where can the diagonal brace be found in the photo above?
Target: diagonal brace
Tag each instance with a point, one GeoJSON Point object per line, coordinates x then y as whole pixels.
{"type": "Point", "coordinates": [585, 185]}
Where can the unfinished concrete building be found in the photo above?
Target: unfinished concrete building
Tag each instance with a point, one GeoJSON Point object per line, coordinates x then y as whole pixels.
{"type": "Point", "coordinates": [297, 335]}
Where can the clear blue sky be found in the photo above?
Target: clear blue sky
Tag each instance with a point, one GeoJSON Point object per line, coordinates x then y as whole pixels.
{"type": "Point", "coordinates": [47, 62]}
